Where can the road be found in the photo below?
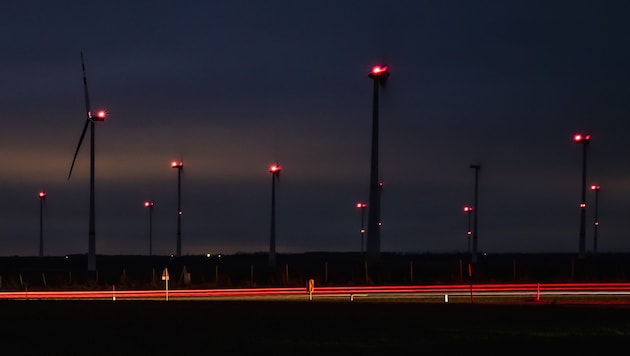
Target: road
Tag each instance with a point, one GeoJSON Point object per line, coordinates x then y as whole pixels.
{"type": "Point", "coordinates": [459, 293]}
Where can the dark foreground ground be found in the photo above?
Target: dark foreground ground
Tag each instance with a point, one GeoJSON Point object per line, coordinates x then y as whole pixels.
{"type": "Point", "coordinates": [305, 328]}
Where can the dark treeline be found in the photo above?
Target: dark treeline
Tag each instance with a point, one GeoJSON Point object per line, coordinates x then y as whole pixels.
{"type": "Point", "coordinates": [294, 270]}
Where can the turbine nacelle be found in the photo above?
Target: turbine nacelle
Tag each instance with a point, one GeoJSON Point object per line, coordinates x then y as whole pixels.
{"type": "Point", "coordinates": [379, 72]}
{"type": "Point", "coordinates": [100, 116]}
{"type": "Point", "coordinates": [581, 138]}
{"type": "Point", "coordinates": [275, 169]}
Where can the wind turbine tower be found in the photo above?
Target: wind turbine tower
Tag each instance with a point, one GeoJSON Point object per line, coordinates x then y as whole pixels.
{"type": "Point", "coordinates": [373, 249]}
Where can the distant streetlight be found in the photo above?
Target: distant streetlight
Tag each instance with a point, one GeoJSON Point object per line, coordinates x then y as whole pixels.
{"type": "Point", "coordinates": [42, 199]}
{"type": "Point", "coordinates": [379, 74]}
{"type": "Point", "coordinates": [179, 166]}
{"type": "Point", "coordinates": [149, 204]}
{"type": "Point", "coordinates": [584, 140]}
{"type": "Point", "coordinates": [468, 210]}
{"type": "Point", "coordinates": [275, 172]}
{"type": "Point", "coordinates": [476, 167]}
{"type": "Point", "coordinates": [362, 207]}
{"type": "Point", "coordinates": [595, 188]}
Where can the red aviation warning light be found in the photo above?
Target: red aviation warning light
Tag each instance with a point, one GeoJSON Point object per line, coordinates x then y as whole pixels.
{"type": "Point", "coordinates": [100, 116]}
{"type": "Point", "coordinates": [581, 138]}
{"type": "Point", "coordinates": [379, 71]}
{"type": "Point", "coordinates": [275, 168]}
{"type": "Point", "coordinates": [176, 164]}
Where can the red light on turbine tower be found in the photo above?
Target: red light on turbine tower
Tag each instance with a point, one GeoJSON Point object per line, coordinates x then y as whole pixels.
{"type": "Point", "coordinates": [148, 204]}
{"type": "Point", "coordinates": [595, 187]}
{"type": "Point", "coordinates": [176, 164]}
{"type": "Point", "coordinates": [100, 116]}
{"type": "Point", "coordinates": [379, 70]}
{"type": "Point", "coordinates": [581, 138]}
{"type": "Point", "coordinates": [468, 209]}
{"type": "Point", "coordinates": [275, 168]}
{"type": "Point", "coordinates": [380, 73]}
{"type": "Point", "coordinates": [361, 205]}
{"type": "Point", "coordinates": [42, 194]}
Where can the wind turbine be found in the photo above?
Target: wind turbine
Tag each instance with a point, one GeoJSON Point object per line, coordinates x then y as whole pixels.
{"type": "Point", "coordinates": [378, 74]}
{"type": "Point", "coordinates": [91, 119]}
{"type": "Point", "coordinates": [274, 169]}
{"type": "Point", "coordinates": [42, 201]}
{"type": "Point", "coordinates": [179, 165]}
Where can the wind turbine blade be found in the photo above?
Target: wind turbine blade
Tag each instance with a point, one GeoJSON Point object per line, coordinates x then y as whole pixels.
{"type": "Point", "coordinates": [87, 122]}
{"type": "Point", "coordinates": [85, 88]}
{"type": "Point", "coordinates": [87, 112]}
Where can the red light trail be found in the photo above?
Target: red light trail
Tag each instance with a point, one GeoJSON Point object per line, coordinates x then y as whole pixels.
{"type": "Point", "coordinates": [571, 292]}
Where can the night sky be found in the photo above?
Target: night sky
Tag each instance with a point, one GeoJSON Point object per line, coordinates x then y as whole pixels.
{"type": "Point", "coordinates": [230, 87]}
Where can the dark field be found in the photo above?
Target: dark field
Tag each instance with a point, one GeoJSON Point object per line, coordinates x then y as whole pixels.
{"type": "Point", "coordinates": [293, 270]}
{"type": "Point", "coordinates": [38, 327]}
